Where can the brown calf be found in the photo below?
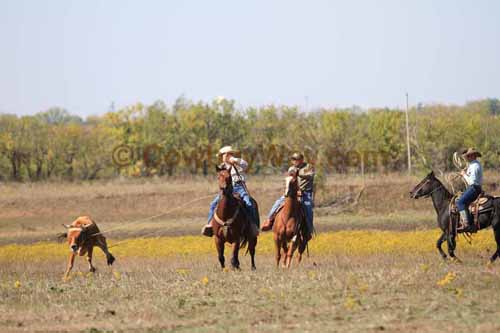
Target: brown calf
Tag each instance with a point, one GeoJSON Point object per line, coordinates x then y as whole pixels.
{"type": "Point", "coordinates": [82, 235]}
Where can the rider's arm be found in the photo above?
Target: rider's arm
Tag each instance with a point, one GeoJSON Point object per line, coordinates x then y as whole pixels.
{"type": "Point", "coordinates": [307, 172]}
{"type": "Point", "coordinates": [239, 162]}
{"type": "Point", "coordinates": [472, 174]}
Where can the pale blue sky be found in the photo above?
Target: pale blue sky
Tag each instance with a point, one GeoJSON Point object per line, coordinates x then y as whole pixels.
{"type": "Point", "coordinates": [83, 55]}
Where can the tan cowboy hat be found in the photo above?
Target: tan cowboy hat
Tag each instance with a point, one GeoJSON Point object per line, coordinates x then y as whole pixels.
{"type": "Point", "coordinates": [227, 150]}
{"type": "Point", "coordinates": [471, 151]}
{"type": "Point", "coordinates": [297, 156]}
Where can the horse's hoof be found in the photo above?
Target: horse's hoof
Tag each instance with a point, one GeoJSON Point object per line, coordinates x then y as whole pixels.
{"type": "Point", "coordinates": [111, 260]}
{"type": "Point", "coordinates": [456, 260]}
{"type": "Point", "coordinates": [254, 268]}
{"type": "Point", "coordinates": [92, 270]}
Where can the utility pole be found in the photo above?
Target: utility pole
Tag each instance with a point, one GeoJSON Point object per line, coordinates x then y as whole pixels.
{"type": "Point", "coordinates": [408, 137]}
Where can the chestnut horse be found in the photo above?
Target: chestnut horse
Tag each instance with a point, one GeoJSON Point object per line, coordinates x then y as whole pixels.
{"type": "Point", "coordinates": [290, 225]}
{"type": "Point", "coordinates": [230, 224]}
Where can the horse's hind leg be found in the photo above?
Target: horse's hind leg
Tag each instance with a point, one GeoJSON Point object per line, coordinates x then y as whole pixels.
{"type": "Point", "coordinates": [496, 231]}
{"type": "Point", "coordinates": [439, 243]}
{"type": "Point", "coordinates": [302, 248]}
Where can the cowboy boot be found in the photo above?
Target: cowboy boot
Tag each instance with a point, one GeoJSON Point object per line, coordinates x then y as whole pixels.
{"type": "Point", "coordinates": [207, 230]}
{"type": "Point", "coordinates": [268, 225]}
{"type": "Point", "coordinates": [467, 226]}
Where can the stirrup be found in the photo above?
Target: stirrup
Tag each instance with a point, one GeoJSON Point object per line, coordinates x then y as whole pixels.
{"type": "Point", "coordinates": [467, 228]}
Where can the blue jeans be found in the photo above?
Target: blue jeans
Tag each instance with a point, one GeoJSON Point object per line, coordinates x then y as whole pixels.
{"type": "Point", "coordinates": [307, 204]}
{"type": "Point", "coordinates": [250, 209]}
{"type": "Point", "coordinates": [470, 194]}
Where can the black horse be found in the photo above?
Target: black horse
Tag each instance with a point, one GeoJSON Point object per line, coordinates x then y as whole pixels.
{"type": "Point", "coordinates": [448, 220]}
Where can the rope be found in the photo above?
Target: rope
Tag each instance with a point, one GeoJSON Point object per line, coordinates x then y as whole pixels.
{"type": "Point", "coordinates": [450, 179]}
{"type": "Point", "coordinates": [154, 216]}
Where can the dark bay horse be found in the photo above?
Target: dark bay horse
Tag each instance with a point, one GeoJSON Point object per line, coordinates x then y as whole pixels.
{"type": "Point", "coordinates": [430, 186]}
{"type": "Point", "coordinates": [230, 224]}
{"type": "Point", "coordinates": [290, 225]}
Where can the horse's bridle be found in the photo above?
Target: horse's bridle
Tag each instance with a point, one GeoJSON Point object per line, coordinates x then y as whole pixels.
{"type": "Point", "coordinates": [428, 194]}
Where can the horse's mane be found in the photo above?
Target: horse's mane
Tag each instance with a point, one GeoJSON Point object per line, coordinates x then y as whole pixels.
{"type": "Point", "coordinates": [448, 192]}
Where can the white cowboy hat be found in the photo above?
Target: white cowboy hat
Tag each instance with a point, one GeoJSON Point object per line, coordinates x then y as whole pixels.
{"type": "Point", "coordinates": [227, 149]}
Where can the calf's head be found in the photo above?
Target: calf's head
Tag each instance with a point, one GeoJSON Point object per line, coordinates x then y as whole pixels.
{"type": "Point", "coordinates": [76, 237]}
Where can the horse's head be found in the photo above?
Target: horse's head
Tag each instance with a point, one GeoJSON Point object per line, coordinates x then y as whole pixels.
{"type": "Point", "coordinates": [224, 179]}
{"type": "Point", "coordinates": [292, 184]}
{"type": "Point", "coordinates": [425, 187]}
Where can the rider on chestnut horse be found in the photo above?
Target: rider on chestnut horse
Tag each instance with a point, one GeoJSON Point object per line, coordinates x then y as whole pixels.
{"type": "Point", "coordinates": [306, 184]}
{"type": "Point", "coordinates": [239, 166]}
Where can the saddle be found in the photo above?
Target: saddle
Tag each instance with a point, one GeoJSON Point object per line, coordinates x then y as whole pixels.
{"type": "Point", "coordinates": [248, 225]}
{"type": "Point", "coordinates": [483, 203]}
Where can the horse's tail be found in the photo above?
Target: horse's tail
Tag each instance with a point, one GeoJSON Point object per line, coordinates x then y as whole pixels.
{"type": "Point", "coordinates": [496, 212]}
{"type": "Point", "coordinates": [243, 242]}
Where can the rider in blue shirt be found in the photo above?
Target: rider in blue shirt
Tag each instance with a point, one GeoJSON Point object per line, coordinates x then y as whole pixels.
{"type": "Point", "coordinates": [474, 179]}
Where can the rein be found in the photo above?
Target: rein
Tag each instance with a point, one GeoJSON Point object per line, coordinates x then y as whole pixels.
{"type": "Point", "coordinates": [430, 193]}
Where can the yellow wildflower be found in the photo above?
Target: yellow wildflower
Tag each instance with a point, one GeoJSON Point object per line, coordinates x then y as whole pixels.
{"type": "Point", "coordinates": [447, 279]}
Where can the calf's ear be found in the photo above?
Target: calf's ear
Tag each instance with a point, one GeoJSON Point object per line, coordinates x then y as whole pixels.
{"type": "Point", "coordinates": [67, 226]}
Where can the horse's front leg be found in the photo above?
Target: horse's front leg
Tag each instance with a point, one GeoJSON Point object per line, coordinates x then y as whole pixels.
{"type": "Point", "coordinates": [219, 245]}
{"type": "Point", "coordinates": [277, 246]}
{"type": "Point", "coordinates": [284, 246]}
{"type": "Point", "coordinates": [235, 262]}
{"type": "Point", "coordinates": [439, 243]}
{"type": "Point", "coordinates": [452, 245]}
{"type": "Point", "coordinates": [289, 255]}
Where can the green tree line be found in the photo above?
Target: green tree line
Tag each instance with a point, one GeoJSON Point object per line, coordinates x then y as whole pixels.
{"type": "Point", "coordinates": [183, 139]}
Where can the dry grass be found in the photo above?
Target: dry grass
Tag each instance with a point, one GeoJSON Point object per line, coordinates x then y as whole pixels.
{"type": "Point", "coordinates": [31, 212]}
{"type": "Point", "coordinates": [327, 293]}
{"type": "Point", "coordinates": [373, 267]}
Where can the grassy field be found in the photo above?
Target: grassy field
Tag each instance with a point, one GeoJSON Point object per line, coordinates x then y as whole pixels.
{"type": "Point", "coordinates": [372, 267]}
